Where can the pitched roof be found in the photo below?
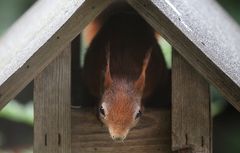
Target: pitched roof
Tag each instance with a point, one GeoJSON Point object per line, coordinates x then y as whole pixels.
{"type": "Point", "coordinates": [204, 35]}
{"type": "Point", "coordinates": [38, 37]}
{"type": "Point", "coordinates": [200, 30]}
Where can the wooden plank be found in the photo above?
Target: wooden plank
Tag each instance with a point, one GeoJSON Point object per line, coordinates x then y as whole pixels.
{"type": "Point", "coordinates": [52, 106]}
{"type": "Point", "coordinates": [204, 35]}
{"type": "Point", "coordinates": [25, 52]}
{"type": "Point", "coordinates": [152, 135]}
{"type": "Point", "coordinates": [191, 117]}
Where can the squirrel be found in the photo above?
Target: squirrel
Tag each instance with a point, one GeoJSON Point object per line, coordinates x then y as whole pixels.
{"type": "Point", "coordinates": [123, 66]}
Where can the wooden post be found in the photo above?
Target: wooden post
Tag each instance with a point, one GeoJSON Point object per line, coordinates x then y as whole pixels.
{"type": "Point", "coordinates": [52, 106]}
{"type": "Point", "coordinates": [191, 118]}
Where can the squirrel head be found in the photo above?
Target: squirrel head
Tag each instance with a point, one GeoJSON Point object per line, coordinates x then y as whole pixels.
{"type": "Point", "coordinates": [120, 108]}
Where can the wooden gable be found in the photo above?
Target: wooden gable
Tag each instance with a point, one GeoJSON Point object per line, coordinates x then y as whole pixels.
{"type": "Point", "coordinates": [204, 35]}
{"type": "Point", "coordinates": [199, 30]}
{"type": "Point", "coordinates": [38, 37]}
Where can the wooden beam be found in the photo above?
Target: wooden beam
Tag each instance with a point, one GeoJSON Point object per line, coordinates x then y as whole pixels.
{"type": "Point", "coordinates": [25, 52]}
{"type": "Point", "coordinates": [191, 117]}
{"type": "Point", "coordinates": [52, 106]}
{"type": "Point", "coordinates": [204, 35]}
{"type": "Point", "coordinates": [152, 135]}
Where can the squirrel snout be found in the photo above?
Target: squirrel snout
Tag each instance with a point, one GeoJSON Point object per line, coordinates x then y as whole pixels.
{"type": "Point", "coordinates": [118, 135]}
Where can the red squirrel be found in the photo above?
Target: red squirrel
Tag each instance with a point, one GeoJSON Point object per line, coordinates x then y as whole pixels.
{"type": "Point", "coordinates": [123, 66]}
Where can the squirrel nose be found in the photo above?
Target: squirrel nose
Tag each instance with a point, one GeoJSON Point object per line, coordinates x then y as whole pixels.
{"type": "Point", "coordinates": [118, 137]}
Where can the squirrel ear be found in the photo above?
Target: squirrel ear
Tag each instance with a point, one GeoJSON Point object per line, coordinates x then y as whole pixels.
{"type": "Point", "coordinates": [107, 77]}
{"type": "Point", "coordinates": [140, 82]}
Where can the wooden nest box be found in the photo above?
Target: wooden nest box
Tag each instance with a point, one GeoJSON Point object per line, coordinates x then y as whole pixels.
{"type": "Point", "coordinates": [206, 50]}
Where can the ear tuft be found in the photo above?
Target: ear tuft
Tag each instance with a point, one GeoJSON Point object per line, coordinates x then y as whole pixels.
{"type": "Point", "coordinates": [107, 77]}
{"type": "Point", "coordinates": [140, 83]}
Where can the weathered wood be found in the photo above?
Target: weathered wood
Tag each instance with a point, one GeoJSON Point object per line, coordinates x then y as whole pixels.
{"type": "Point", "coordinates": [191, 117]}
{"type": "Point", "coordinates": [25, 52]}
{"type": "Point", "coordinates": [204, 35]}
{"type": "Point", "coordinates": [152, 135]}
{"type": "Point", "coordinates": [52, 106]}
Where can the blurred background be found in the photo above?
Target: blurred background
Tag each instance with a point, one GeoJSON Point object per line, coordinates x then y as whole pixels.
{"type": "Point", "coordinates": [16, 119]}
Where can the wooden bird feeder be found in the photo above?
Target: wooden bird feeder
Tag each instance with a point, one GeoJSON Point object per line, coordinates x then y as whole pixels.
{"type": "Point", "coordinates": [206, 50]}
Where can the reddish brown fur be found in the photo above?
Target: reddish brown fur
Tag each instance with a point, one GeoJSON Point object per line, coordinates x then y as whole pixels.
{"type": "Point", "coordinates": [119, 97]}
{"type": "Point", "coordinates": [128, 46]}
{"type": "Point", "coordinates": [131, 72]}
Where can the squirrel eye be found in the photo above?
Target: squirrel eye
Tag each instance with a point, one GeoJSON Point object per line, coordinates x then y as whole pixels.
{"type": "Point", "coordinates": [139, 114]}
{"type": "Point", "coordinates": [101, 111]}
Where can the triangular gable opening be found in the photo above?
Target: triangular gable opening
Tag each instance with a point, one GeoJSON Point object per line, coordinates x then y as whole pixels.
{"type": "Point", "coordinates": [155, 13]}
{"type": "Point", "coordinates": [138, 6]}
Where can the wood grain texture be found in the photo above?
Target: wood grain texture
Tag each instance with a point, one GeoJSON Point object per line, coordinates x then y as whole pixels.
{"type": "Point", "coordinates": [191, 117]}
{"type": "Point", "coordinates": [25, 52]}
{"type": "Point", "coordinates": [152, 135]}
{"type": "Point", "coordinates": [204, 35]}
{"type": "Point", "coordinates": [52, 106]}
